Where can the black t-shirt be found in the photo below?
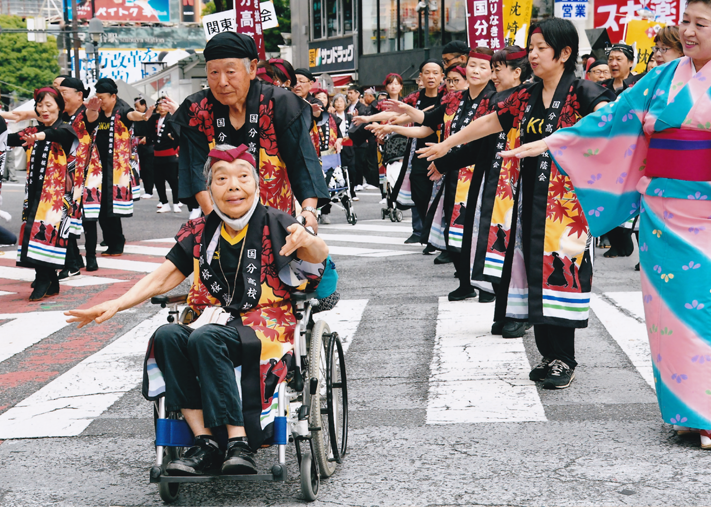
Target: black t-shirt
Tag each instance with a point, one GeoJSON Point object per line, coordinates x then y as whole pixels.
{"type": "Point", "coordinates": [103, 124]}
{"type": "Point", "coordinates": [426, 102]}
{"type": "Point", "coordinates": [224, 262]}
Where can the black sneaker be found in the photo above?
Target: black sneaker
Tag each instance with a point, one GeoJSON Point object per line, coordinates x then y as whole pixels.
{"type": "Point", "coordinates": [462, 293]}
{"type": "Point", "coordinates": [513, 329]}
{"type": "Point", "coordinates": [486, 297]}
{"type": "Point", "coordinates": [201, 458]}
{"type": "Point", "coordinates": [443, 258]}
{"type": "Point", "coordinates": [498, 326]}
{"type": "Point", "coordinates": [239, 459]}
{"type": "Point", "coordinates": [636, 267]}
{"type": "Point", "coordinates": [560, 375]}
{"type": "Point", "coordinates": [91, 264]}
{"type": "Point", "coordinates": [414, 238]}
{"type": "Point", "coordinates": [429, 250]}
{"type": "Point", "coordinates": [67, 273]}
{"type": "Point", "coordinates": [540, 371]}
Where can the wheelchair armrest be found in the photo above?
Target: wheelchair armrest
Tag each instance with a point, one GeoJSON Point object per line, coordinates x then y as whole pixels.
{"type": "Point", "coordinates": [298, 296]}
{"type": "Point", "coordinates": [163, 300]}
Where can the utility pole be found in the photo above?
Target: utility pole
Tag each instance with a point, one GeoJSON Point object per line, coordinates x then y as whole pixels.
{"type": "Point", "coordinates": [75, 37]}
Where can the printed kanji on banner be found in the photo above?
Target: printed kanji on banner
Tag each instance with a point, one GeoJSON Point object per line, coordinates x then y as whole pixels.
{"type": "Point", "coordinates": [485, 27]}
{"type": "Point", "coordinates": [244, 18]}
{"type": "Point", "coordinates": [517, 20]}
{"type": "Point", "coordinates": [615, 14]}
{"type": "Point", "coordinates": [571, 9]}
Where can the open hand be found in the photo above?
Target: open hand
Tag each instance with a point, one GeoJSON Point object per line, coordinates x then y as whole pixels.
{"type": "Point", "coordinates": [149, 112]}
{"type": "Point", "coordinates": [316, 109]}
{"type": "Point", "coordinates": [433, 173]}
{"type": "Point", "coordinates": [99, 313]}
{"type": "Point", "coordinates": [379, 130]}
{"type": "Point", "coordinates": [395, 106]}
{"type": "Point", "coordinates": [31, 139]}
{"type": "Point", "coordinates": [94, 104]}
{"type": "Point", "coordinates": [299, 237]}
{"type": "Point", "coordinates": [527, 150]}
{"type": "Point", "coordinates": [432, 151]}
{"type": "Point", "coordinates": [169, 104]}
{"type": "Point", "coordinates": [360, 120]}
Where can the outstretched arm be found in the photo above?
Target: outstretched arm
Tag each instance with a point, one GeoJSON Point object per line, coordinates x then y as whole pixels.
{"type": "Point", "coordinates": [478, 129]}
{"type": "Point", "coordinates": [378, 117]}
{"type": "Point", "coordinates": [163, 279]}
{"type": "Point", "coordinates": [416, 132]}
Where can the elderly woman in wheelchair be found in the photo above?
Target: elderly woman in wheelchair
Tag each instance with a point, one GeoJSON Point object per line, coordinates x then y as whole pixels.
{"type": "Point", "coordinates": [246, 259]}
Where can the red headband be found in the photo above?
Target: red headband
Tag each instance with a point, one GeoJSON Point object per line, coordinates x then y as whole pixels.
{"type": "Point", "coordinates": [279, 63]}
{"type": "Point", "coordinates": [459, 70]}
{"type": "Point", "coordinates": [239, 153]}
{"type": "Point", "coordinates": [45, 89]}
{"type": "Point", "coordinates": [516, 56]}
{"type": "Point", "coordinates": [262, 73]}
{"type": "Point", "coordinates": [480, 56]}
{"type": "Point", "coordinates": [316, 91]}
{"type": "Point", "coordinates": [385, 81]}
{"type": "Point", "coordinates": [537, 30]}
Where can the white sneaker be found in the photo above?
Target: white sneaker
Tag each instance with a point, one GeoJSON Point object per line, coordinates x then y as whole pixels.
{"type": "Point", "coordinates": [164, 208]}
{"type": "Point", "coordinates": [196, 213]}
{"type": "Point", "coordinates": [383, 201]}
{"type": "Point", "coordinates": [368, 186]}
{"type": "Point", "coordinates": [147, 196]}
{"type": "Point", "coordinates": [358, 188]}
{"type": "Point", "coordinates": [356, 198]}
{"type": "Point", "coordinates": [159, 204]}
{"type": "Point", "coordinates": [176, 208]}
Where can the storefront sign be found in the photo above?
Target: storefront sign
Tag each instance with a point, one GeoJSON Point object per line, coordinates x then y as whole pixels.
{"type": "Point", "coordinates": [615, 14]}
{"type": "Point", "coordinates": [332, 55]}
{"type": "Point", "coordinates": [517, 20]}
{"type": "Point", "coordinates": [485, 27]}
{"type": "Point", "coordinates": [571, 9]}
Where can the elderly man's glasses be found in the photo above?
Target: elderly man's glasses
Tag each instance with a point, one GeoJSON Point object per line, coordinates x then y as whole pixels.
{"type": "Point", "coordinates": [598, 72]}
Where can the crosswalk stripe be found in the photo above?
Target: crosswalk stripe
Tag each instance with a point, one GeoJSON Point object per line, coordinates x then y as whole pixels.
{"type": "Point", "coordinates": [365, 252]}
{"type": "Point", "coordinates": [5, 293]}
{"type": "Point", "coordinates": [28, 275]}
{"type": "Point", "coordinates": [25, 329]}
{"type": "Point", "coordinates": [622, 314]}
{"type": "Point", "coordinates": [364, 238]}
{"type": "Point", "coordinates": [344, 319]}
{"type": "Point", "coordinates": [66, 406]}
{"type": "Point", "coordinates": [126, 265]}
{"type": "Point", "coordinates": [477, 377]}
{"type": "Point", "coordinates": [368, 228]}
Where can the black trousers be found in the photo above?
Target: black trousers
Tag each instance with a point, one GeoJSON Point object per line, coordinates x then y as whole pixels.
{"type": "Point", "coordinates": [166, 169]}
{"type": "Point", "coordinates": [7, 237]}
{"type": "Point", "coordinates": [198, 367]}
{"type": "Point", "coordinates": [145, 158]}
{"type": "Point", "coordinates": [45, 274]}
{"type": "Point", "coordinates": [360, 165]}
{"type": "Point", "coordinates": [371, 168]}
{"type": "Point", "coordinates": [555, 342]}
{"type": "Point", "coordinates": [421, 187]}
{"type": "Point", "coordinates": [73, 261]}
{"type": "Point", "coordinates": [110, 227]}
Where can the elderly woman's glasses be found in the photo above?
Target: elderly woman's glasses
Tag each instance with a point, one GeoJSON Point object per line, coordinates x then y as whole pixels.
{"type": "Point", "coordinates": [659, 49]}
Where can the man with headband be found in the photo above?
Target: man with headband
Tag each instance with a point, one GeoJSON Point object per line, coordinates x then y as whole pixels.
{"type": "Point", "coordinates": [239, 109]}
{"type": "Point", "coordinates": [107, 187]}
{"type": "Point", "coordinates": [620, 60]}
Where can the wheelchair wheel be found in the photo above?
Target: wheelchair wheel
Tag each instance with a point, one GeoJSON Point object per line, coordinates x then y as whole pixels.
{"type": "Point", "coordinates": [393, 216]}
{"type": "Point", "coordinates": [337, 398]}
{"type": "Point", "coordinates": [352, 218]}
{"type": "Point", "coordinates": [398, 215]}
{"type": "Point", "coordinates": [169, 491]}
{"type": "Point", "coordinates": [318, 418]}
{"type": "Point", "coordinates": [309, 476]}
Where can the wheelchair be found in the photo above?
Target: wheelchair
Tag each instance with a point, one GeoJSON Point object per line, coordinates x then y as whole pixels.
{"type": "Point", "coordinates": [312, 408]}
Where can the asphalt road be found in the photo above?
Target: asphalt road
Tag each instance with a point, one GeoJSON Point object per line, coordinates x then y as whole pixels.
{"type": "Point", "coordinates": [431, 422]}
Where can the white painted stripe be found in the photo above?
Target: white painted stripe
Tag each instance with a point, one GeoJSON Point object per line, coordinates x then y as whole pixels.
{"type": "Point", "coordinates": [365, 238]}
{"type": "Point", "coordinates": [365, 252]}
{"type": "Point", "coordinates": [405, 229]}
{"type": "Point", "coordinates": [126, 265]}
{"type": "Point", "coordinates": [26, 329]}
{"type": "Point", "coordinates": [68, 404]}
{"type": "Point", "coordinates": [5, 293]}
{"type": "Point", "coordinates": [344, 319]}
{"type": "Point", "coordinates": [477, 377]}
{"type": "Point", "coordinates": [28, 275]}
{"type": "Point", "coordinates": [629, 333]}
{"type": "Point", "coordinates": [159, 240]}
{"type": "Point", "coordinates": [155, 251]}
{"type": "Point", "coordinates": [87, 281]}
{"type": "Point", "coordinates": [19, 274]}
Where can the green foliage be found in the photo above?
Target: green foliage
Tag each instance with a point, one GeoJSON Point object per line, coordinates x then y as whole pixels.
{"type": "Point", "coordinates": [27, 65]}
{"type": "Point", "coordinates": [209, 8]}
{"type": "Point", "coordinates": [272, 37]}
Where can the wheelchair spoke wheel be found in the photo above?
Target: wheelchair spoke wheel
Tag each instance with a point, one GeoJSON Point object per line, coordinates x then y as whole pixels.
{"type": "Point", "coordinates": [318, 413]}
{"type": "Point", "coordinates": [337, 398]}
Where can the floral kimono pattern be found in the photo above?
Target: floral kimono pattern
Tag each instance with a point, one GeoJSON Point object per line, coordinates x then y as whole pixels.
{"type": "Point", "coordinates": [119, 169]}
{"type": "Point", "coordinates": [552, 286]}
{"type": "Point", "coordinates": [263, 315]}
{"type": "Point", "coordinates": [613, 159]}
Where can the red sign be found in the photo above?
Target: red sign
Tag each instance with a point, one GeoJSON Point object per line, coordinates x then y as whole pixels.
{"type": "Point", "coordinates": [615, 14]}
{"type": "Point", "coordinates": [249, 22]}
{"type": "Point", "coordinates": [485, 27]}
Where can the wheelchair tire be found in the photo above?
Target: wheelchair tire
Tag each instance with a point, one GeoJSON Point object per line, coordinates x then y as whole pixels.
{"type": "Point", "coordinates": [398, 215]}
{"type": "Point", "coordinates": [169, 491]}
{"type": "Point", "coordinates": [337, 398]}
{"type": "Point", "coordinates": [318, 413]}
{"type": "Point", "coordinates": [310, 480]}
{"type": "Point", "coordinates": [352, 218]}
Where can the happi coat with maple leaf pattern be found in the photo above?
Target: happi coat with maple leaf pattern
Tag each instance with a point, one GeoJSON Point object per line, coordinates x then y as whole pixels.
{"type": "Point", "coordinates": [649, 154]}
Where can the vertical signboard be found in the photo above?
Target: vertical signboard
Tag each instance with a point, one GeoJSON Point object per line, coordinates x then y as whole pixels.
{"type": "Point", "coordinates": [249, 22]}
{"type": "Point", "coordinates": [517, 20]}
{"type": "Point", "coordinates": [485, 24]}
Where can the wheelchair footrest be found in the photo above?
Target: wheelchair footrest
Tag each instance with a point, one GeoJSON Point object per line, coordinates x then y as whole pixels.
{"type": "Point", "coordinates": [217, 478]}
{"type": "Point", "coordinates": [173, 433]}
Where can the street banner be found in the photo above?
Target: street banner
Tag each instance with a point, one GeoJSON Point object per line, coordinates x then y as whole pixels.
{"type": "Point", "coordinates": [517, 20]}
{"type": "Point", "coordinates": [571, 9]}
{"type": "Point", "coordinates": [640, 34]}
{"type": "Point", "coordinates": [244, 19]}
{"type": "Point", "coordinates": [615, 14]}
{"type": "Point", "coordinates": [485, 24]}
{"type": "Point", "coordinates": [269, 16]}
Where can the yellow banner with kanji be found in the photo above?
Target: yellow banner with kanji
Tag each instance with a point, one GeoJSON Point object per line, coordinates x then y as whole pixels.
{"type": "Point", "coordinates": [517, 21]}
{"type": "Point", "coordinates": [640, 34]}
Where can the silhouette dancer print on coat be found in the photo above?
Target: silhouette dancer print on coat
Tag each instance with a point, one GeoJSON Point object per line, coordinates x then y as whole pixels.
{"type": "Point", "coordinates": [557, 277]}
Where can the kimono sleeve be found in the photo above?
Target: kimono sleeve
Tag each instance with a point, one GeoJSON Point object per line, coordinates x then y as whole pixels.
{"type": "Point", "coordinates": [604, 156]}
{"type": "Point", "coordinates": [510, 110]}
{"type": "Point", "coordinates": [293, 271]}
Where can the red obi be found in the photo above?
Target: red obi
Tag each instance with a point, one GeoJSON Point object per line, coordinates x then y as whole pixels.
{"type": "Point", "coordinates": [679, 155]}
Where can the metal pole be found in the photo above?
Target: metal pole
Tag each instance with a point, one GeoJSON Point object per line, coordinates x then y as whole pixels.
{"type": "Point", "coordinates": [75, 37]}
{"type": "Point", "coordinates": [93, 8]}
{"type": "Point", "coordinates": [427, 24]}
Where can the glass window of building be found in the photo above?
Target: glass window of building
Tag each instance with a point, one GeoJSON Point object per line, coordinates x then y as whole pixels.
{"type": "Point", "coordinates": [348, 16]}
{"type": "Point", "coordinates": [317, 15]}
{"type": "Point", "coordinates": [455, 20]}
{"type": "Point", "coordinates": [332, 18]}
{"type": "Point", "coordinates": [332, 28]}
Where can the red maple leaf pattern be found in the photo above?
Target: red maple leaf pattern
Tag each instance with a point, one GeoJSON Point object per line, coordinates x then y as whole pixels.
{"type": "Point", "coordinates": [267, 135]}
{"type": "Point", "coordinates": [451, 102]}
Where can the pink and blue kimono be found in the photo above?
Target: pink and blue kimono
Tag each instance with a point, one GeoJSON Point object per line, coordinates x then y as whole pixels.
{"type": "Point", "coordinates": [649, 153]}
